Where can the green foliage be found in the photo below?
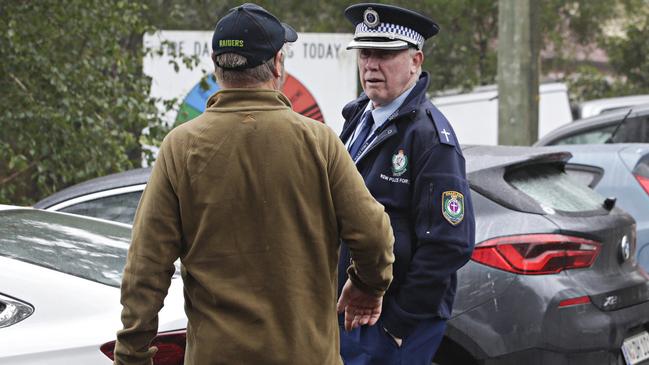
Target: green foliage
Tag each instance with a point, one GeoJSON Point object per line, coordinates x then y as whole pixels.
{"type": "Point", "coordinates": [629, 66]}
{"type": "Point", "coordinates": [628, 55]}
{"type": "Point", "coordinates": [587, 83]}
{"type": "Point", "coordinates": [74, 100]}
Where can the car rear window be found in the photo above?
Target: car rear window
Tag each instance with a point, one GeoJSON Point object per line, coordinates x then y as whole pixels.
{"type": "Point", "coordinates": [553, 189]}
{"type": "Point", "coordinates": [85, 248]}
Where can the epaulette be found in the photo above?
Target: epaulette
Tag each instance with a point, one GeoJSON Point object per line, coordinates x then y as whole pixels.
{"type": "Point", "coordinates": [444, 130]}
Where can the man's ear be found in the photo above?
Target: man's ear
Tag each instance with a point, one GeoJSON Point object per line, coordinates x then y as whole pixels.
{"type": "Point", "coordinates": [214, 58]}
{"type": "Point", "coordinates": [277, 61]}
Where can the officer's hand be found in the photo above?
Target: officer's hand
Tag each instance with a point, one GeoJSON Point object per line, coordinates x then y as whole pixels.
{"type": "Point", "coordinates": [360, 308]}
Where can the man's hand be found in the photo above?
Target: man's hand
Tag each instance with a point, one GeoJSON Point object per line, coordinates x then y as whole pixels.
{"type": "Point", "coordinates": [360, 308]}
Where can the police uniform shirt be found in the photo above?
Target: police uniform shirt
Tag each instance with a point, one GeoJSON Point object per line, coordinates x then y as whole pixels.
{"type": "Point", "coordinates": [380, 115]}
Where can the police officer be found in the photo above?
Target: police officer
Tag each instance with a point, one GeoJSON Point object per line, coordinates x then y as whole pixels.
{"type": "Point", "coordinates": [412, 163]}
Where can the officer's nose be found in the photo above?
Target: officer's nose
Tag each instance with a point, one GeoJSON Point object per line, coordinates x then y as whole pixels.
{"type": "Point", "coordinates": [372, 63]}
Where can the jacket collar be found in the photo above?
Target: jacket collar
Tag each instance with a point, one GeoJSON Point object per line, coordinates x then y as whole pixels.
{"type": "Point", "coordinates": [408, 110]}
{"type": "Point", "coordinates": [243, 99]}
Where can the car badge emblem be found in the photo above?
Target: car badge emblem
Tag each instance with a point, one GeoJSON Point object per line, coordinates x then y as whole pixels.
{"type": "Point", "coordinates": [453, 207]}
{"type": "Point", "coordinates": [371, 18]}
{"type": "Point", "coordinates": [610, 302]}
{"type": "Point", "coordinates": [399, 163]}
{"type": "Point", "coordinates": [625, 248]}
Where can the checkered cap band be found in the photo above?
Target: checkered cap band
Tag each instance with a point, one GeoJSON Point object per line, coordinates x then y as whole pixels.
{"type": "Point", "coordinates": [390, 31]}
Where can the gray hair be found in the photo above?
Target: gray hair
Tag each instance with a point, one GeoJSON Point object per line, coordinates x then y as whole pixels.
{"type": "Point", "coordinates": [242, 77]}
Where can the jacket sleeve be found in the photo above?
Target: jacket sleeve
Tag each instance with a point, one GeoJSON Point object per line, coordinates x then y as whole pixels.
{"type": "Point", "coordinates": [362, 221]}
{"type": "Point", "coordinates": [444, 226]}
{"type": "Point", "coordinates": [155, 245]}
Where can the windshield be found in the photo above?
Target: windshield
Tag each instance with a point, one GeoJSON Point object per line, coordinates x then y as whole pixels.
{"type": "Point", "coordinates": [85, 248]}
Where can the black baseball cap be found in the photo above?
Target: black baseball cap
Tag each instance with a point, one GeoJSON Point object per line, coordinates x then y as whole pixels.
{"type": "Point", "coordinates": [251, 31]}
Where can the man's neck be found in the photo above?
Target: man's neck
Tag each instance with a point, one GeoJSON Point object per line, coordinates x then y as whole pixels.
{"type": "Point", "coordinates": [270, 84]}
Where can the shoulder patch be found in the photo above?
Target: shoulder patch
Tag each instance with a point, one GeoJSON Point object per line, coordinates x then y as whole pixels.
{"type": "Point", "coordinates": [444, 130]}
{"type": "Point", "coordinates": [453, 207]}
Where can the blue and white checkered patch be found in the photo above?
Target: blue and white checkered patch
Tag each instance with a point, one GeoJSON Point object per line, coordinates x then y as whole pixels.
{"type": "Point", "coordinates": [390, 31]}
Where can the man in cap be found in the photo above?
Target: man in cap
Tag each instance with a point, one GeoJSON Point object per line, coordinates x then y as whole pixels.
{"type": "Point", "coordinates": [253, 198]}
{"type": "Point", "coordinates": [412, 163]}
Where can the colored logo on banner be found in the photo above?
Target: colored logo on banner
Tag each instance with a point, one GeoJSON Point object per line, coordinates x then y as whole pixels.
{"type": "Point", "coordinates": [302, 100]}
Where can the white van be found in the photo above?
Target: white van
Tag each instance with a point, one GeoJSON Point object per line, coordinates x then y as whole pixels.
{"type": "Point", "coordinates": [590, 108]}
{"type": "Point", "coordinates": [474, 115]}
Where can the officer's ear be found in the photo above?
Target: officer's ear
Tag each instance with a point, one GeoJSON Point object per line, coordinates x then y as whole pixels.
{"type": "Point", "coordinates": [417, 59]}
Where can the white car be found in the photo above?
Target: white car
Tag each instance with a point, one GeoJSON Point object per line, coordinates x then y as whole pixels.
{"type": "Point", "coordinates": [59, 291]}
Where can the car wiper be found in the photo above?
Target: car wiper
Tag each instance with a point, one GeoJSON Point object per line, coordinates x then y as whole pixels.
{"type": "Point", "coordinates": [617, 128]}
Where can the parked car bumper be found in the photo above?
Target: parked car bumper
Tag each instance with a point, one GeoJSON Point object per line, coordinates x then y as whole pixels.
{"type": "Point", "coordinates": [579, 334]}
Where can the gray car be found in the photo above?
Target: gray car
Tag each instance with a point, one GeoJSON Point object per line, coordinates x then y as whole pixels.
{"type": "Point", "coordinates": [620, 171]}
{"type": "Point", "coordinates": [553, 279]}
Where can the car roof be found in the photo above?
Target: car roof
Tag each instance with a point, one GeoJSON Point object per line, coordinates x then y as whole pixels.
{"type": "Point", "coordinates": [112, 181]}
{"type": "Point", "coordinates": [594, 122]}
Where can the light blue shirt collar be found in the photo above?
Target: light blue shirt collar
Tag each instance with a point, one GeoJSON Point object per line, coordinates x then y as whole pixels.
{"type": "Point", "coordinates": [381, 114]}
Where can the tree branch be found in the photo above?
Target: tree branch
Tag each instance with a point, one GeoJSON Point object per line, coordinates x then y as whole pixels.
{"type": "Point", "coordinates": [22, 86]}
{"type": "Point", "coordinates": [17, 173]}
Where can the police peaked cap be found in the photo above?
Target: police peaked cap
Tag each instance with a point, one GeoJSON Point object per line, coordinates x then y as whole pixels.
{"type": "Point", "coordinates": [383, 26]}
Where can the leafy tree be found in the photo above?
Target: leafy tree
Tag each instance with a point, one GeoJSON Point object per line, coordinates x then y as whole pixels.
{"type": "Point", "coordinates": [74, 101]}
{"type": "Point", "coordinates": [628, 56]}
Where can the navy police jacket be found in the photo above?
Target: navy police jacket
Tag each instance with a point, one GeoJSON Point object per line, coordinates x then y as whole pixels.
{"type": "Point", "coordinates": [415, 168]}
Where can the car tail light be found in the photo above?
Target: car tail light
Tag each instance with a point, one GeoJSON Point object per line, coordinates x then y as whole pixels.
{"type": "Point", "coordinates": [171, 348]}
{"type": "Point", "coordinates": [644, 182]}
{"type": "Point", "coordinates": [537, 254]}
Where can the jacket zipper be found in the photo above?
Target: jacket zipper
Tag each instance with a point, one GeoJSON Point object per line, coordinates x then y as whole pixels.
{"type": "Point", "coordinates": [430, 206]}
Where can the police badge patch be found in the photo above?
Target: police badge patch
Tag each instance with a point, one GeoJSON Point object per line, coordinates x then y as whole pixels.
{"type": "Point", "coordinates": [399, 163]}
{"type": "Point", "coordinates": [453, 207]}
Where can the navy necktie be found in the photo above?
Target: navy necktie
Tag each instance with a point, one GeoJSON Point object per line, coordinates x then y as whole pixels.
{"type": "Point", "coordinates": [367, 122]}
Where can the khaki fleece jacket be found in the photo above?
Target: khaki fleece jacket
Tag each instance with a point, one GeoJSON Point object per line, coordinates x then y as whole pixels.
{"type": "Point", "coordinates": [253, 198]}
